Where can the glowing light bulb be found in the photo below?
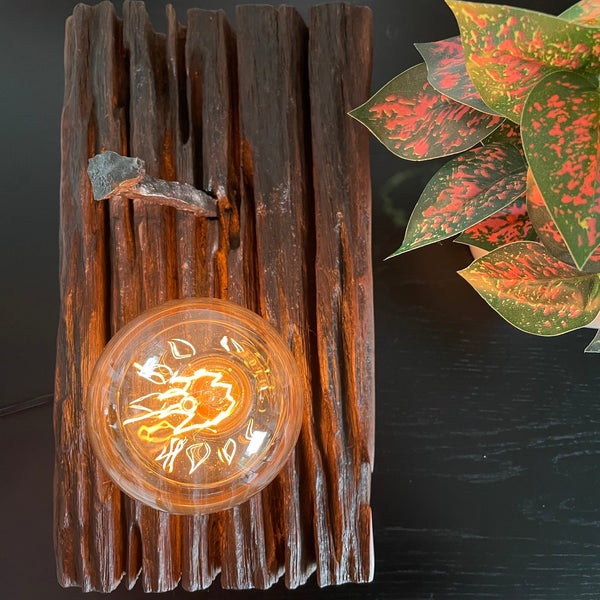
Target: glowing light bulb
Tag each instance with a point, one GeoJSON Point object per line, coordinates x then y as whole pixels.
{"type": "Point", "coordinates": [194, 406]}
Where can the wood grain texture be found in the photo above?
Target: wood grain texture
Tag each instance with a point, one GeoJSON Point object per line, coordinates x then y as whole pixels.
{"type": "Point", "coordinates": [344, 296]}
{"type": "Point", "coordinates": [87, 509]}
{"type": "Point", "coordinates": [231, 112]}
{"type": "Point", "coordinates": [274, 124]}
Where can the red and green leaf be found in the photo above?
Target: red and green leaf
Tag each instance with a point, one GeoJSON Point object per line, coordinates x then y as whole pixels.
{"type": "Point", "coordinates": [561, 132]}
{"type": "Point", "coordinates": [533, 290]}
{"type": "Point", "coordinates": [465, 191]}
{"type": "Point", "coordinates": [511, 224]}
{"type": "Point", "coordinates": [447, 72]}
{"type": "Point", "coordinates": [508, 50]}
{"type": "Point", "coordinates": [507, 133]}
{"type": "Point", "coordinates": [586, 12]}
{"type": "Point", "coordinates": [543, 224]}
{"type": "Point", "coordinates": [416, 122]}
{"type": "Point", "coordinates": [548, 232]}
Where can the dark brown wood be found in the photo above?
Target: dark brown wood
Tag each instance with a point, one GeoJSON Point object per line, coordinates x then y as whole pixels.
{"type": "Point", "coordinates": [229, 112]}
{"type": "Point", "coordinates": [87, 508]}
{"type": "Point", "coordinates": [213, 137]}
{"type": "Point", "coordinates": [151, 138]}
{"type": "Point", "coordinates": [275, 130]}
{"type": "Point", "coordinates": [340, 67]}
{"type": "Point", "coordinates": [198, 567]}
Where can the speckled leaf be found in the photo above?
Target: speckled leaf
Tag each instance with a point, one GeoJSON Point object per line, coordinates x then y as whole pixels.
{"type": "Point", "coordinates": [560, 132]}
{"type": "Point", "coordinates": [547, 230]}
{"type": "Point", "coordinates": [594, 345]}
{"type": "Point", "coordinates": [416, 122]}
{"type": "Point", "coordinates": [533, 290]}
{"type": "Point", "coordinates": [465, 191]}
{"type": "Point", "coordinates": [507, 133]}
{"type": "Point", "coordinates": [447, 72]}
{"type": "Point", "coordinates": [511, 224]}
{"type": "Point", "coordinates": [586, 12]}
{"type": "Point", "coordinates": [508, 50]}
{"type": "Point", "coordinates": [542, 222]}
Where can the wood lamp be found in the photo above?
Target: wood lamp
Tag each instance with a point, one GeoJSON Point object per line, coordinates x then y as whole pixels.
{"type": "Point", "coordinates": [255, 116]}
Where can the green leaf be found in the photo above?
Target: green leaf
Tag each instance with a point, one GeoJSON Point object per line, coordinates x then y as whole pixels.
{"type": "Point", "coordinates": [586, 12]}
{"type": "Point", "coordinates": [416, 122]}
{"type": "Point", "coordinates": [511, 224]}
{"type": "Point", "coordinates": [560, 132]}
{"type": "Point", "coordinates": [447, 73]}
{"type": "Point", "coordinates": [533, 290]}
{"type": "Point", "coordinates": [547, 230]}
{"type": "Point", "coordinates": [466, 190]}
{"type": "Point", "coordinates": [594, 345]}
{"type": "Point", "coordinates": [508, 50]}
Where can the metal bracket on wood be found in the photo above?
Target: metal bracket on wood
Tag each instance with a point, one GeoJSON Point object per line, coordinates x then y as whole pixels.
{"type": "Point", "coordinates": [114, 175]}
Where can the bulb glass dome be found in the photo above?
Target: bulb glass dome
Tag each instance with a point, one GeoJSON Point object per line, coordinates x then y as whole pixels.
{"type": "Point", "coordinates": [194, 406]}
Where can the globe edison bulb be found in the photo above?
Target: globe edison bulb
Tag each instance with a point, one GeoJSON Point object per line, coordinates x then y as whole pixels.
{"type": "Point", "coordinates": [194, 406]}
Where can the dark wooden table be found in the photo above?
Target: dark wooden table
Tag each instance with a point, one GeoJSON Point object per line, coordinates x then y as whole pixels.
{"type": "Point", "coordinates": [487, 442]}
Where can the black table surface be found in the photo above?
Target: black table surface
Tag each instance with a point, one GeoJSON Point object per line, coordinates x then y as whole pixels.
{"type": "Point", "coordinates": [488, 440]}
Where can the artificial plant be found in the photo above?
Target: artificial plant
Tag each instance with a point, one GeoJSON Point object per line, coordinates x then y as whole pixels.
{"type": "Point", "coordinates": [516, 97]}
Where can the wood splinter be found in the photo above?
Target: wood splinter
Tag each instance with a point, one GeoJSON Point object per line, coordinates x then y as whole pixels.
{"type": "Point", "coordinates": [114, 175]}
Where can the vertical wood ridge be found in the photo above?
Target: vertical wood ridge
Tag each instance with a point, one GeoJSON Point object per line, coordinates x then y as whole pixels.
{"type": "Point", "coordinates": [273, 81]}
{"type": "Point", "coordinates": [196, 569]}
{"type": "Point", "coordinates": [210, 64]}
{"type": "Point", "coordinates": [87, 520]}
{"type": "Point", "coordinates": [256, 116]}
{"type": "Point", "coordinates": [340, 34]}
{"type": "Point", "coordinates": [150, 117]}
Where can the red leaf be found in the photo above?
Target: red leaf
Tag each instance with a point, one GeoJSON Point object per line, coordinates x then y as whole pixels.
{"type": "Point", "coordinates": [465, 191]}
{"type": "Point", "coordinates": [508, 50]}
{"type": "Point", "coordinates": [586, 12]}
{"type": "Point", "coordinates": [507, 133]}
{"type": "Point", "coordinates": [548, 232]}
{"type": "Point", "coordinates": [416, 122]}
{"type": "Point", "coordinates": [533, 290]}
{"type": "Point", "coordinates": [447, 72]}
{"type": "Point", "coordinates": [511, 224]}
{"type": "Point", "coordinates": [560, 131]}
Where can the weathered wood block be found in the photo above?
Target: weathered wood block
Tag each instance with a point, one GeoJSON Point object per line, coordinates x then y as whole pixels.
{"type": "Point", "coordinates": [257, 116]}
